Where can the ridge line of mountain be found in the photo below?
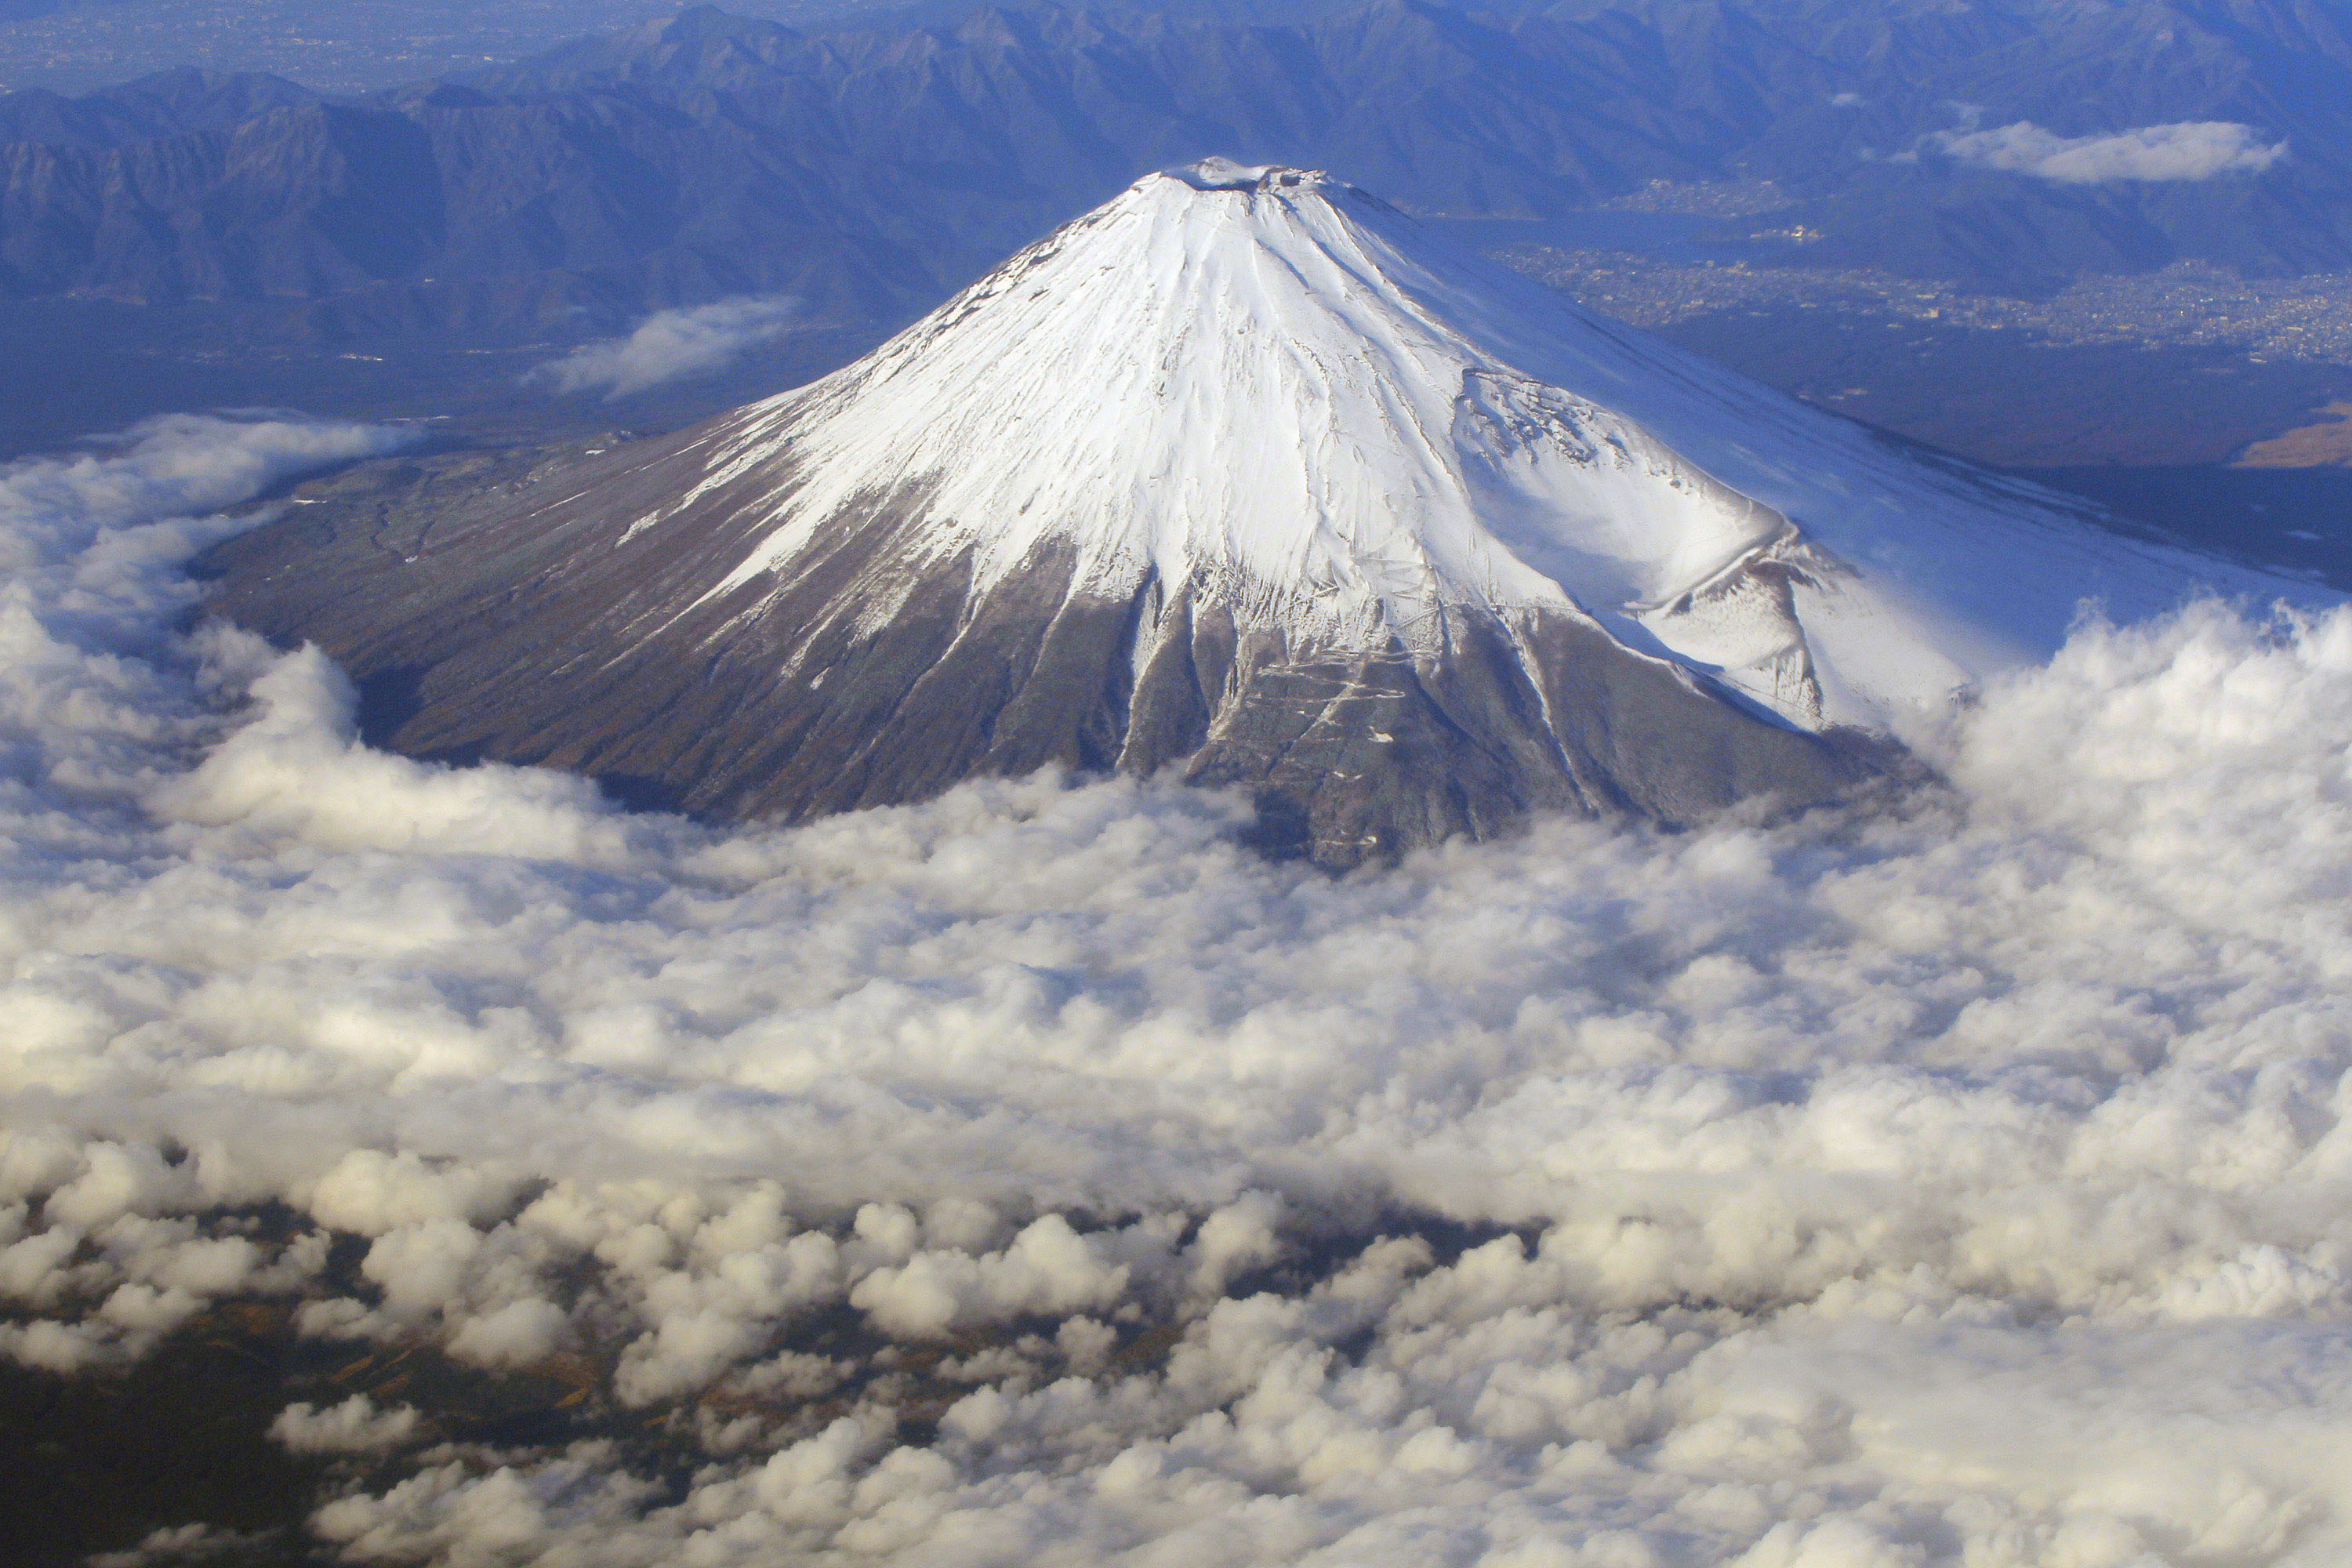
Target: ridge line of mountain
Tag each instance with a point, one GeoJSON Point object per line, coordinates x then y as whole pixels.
{"type": "Point", "coordinates": [871, 172]}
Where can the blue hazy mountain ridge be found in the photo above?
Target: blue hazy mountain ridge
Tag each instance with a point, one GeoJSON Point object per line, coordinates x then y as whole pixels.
{"type": "Point", "coordinates": [165, 105]}
{"type": "Point", "coordinates": [20, 10]}
{"type": "Point", "coordinates": [870, 168]}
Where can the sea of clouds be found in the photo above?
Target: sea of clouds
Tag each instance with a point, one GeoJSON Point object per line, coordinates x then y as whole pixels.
{"type": "Point", "coordinates": [1958, 1178]}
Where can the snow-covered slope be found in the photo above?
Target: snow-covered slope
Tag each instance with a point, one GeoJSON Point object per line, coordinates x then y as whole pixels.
{"type": "Point", "coordinates": [1271, 384]}
{"type": "Point", "coordinates": [1247, 473]}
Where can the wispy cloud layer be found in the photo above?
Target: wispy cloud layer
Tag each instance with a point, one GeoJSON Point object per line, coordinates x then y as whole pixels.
{"type": "Point", "coordinates": [670, 344]}
{"type": "Point", "coordinates": [2198, 149]}
{"type": "Point", "coordinates": [1953, 1180]}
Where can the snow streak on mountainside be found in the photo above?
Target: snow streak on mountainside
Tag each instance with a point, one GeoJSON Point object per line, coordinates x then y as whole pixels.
{"type": "Point", "coordinates": [1242, 471]}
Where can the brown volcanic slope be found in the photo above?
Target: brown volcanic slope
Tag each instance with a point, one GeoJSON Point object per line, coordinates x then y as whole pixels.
{"type": "Point", "coordinates": [479, 603]}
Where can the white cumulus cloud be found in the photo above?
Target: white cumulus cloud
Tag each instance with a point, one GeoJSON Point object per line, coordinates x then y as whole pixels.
{"type": "Point", "coordinates": [2195, 150]}
{"type": "Point", "coordinates": [670, 344]}
{"type": "Point", "coordinates": [1035, 1176]}
{"type": "Point", "coordinates": [357, 1425]}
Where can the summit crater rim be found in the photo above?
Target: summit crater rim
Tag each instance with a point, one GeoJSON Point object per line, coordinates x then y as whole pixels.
{"type": "Point", "coordinates": [1217, 173]}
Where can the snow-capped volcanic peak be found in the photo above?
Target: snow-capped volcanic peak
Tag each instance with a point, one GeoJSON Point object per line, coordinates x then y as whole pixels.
{"type": "Point", "coordinates": [1223, 376]}
{"type": "Point", "coordinates": [1274, 387]}
{"type": "Point", "coordinates": [1218, 373]}
{"type": "Point", "coordinates": [1248, 477]}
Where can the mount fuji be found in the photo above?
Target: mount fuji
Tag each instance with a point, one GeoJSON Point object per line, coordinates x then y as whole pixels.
{"type": "Point", "coordinates": [1245, 474]}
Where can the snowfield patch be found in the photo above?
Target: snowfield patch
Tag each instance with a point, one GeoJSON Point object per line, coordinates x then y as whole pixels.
{"type": "Point", "coordinates": [1959, 1180]}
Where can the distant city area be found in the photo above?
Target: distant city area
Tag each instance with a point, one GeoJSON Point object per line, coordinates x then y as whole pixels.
{"type": "Point", "coordinates": [2187, 305]}
{"type": "Point", "coordinates": [344, 45]}
{"type": "Point", "coordinates": [1704, 198]}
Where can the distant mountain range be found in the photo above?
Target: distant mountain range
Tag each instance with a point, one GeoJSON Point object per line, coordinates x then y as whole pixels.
{"type": "Point", "coordinates": [872, 170]}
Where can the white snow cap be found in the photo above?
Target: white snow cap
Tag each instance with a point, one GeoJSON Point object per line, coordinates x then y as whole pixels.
{"type": "Point", "coordinates": [1277, 388]}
